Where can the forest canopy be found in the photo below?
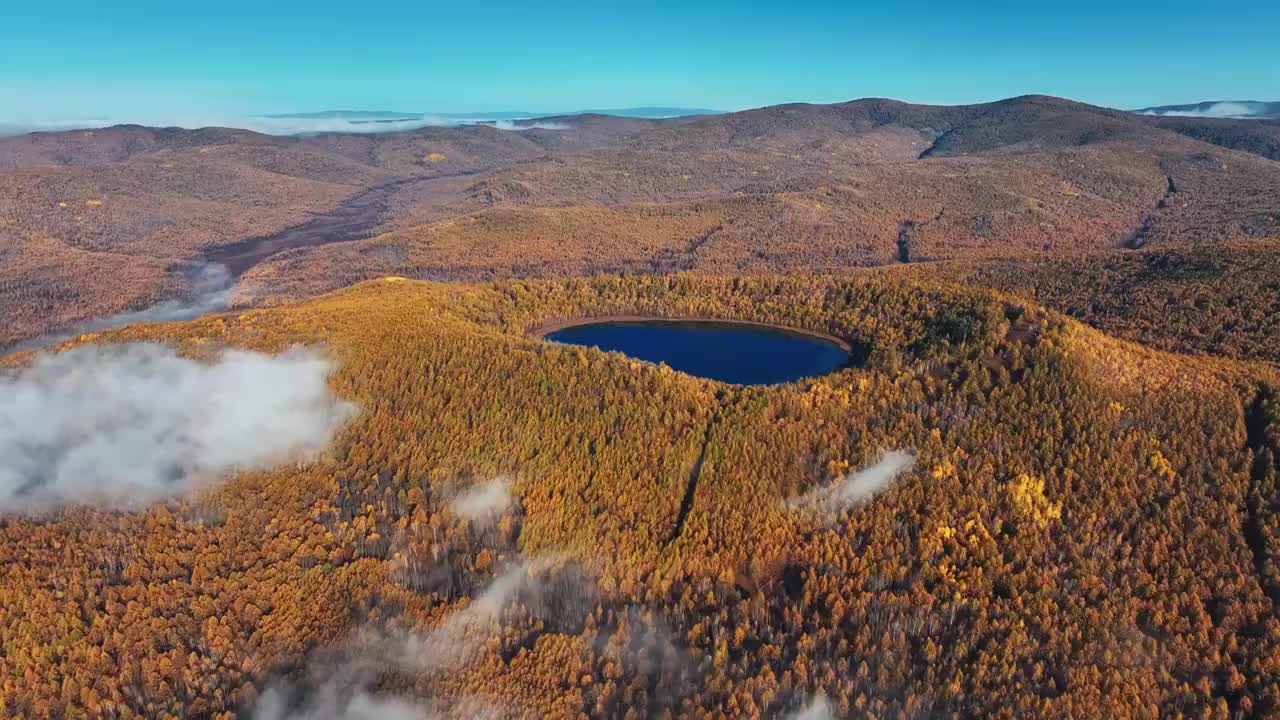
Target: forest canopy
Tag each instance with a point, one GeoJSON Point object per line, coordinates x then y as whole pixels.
{"type": "Point", "coordinates": [1075, 525]}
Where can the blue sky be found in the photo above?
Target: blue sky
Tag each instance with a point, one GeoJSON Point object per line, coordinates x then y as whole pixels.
{"type": "Point", "coordinates": [146, 61]}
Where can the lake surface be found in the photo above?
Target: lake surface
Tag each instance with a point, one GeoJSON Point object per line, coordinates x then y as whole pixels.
{"type": "Point", "coordinates": [740, 353]}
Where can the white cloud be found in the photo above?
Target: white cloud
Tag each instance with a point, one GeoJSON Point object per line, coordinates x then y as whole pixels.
{"type": "Point", "coordinates": [210, 287]}
{"type": "Point", "coordinates": [343, 697]}
{"type": "Point", "coordinates": [458, 640]}
{"type": "Point", "coordinates": [1216, 110]}
{"type": "Point", "coordinates": [342, 690]}
{"type": "Point", "coordinates": [330, 702]}
{"type": "Point", "coordinates": [525, 125]}
{"type": "Point", "coordinates": [275, 125]}
{"type": "Point", "coordinates": [855, 488]}
{"type": "Point", "coordinates": [819, 709]}
{"type": "Point", "coordinates": [482, 504]}
{"type": "Point", "coordinates": [123, 426]}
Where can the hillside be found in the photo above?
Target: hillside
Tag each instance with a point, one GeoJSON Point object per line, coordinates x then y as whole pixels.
{"type": "Point", "coordinates": [1221, 301]}
{"type": "Point", "coordinates": [80, 211]}
{"type": "Point", "coordinates": [1049, 489]}
{"type": "Point", "coordinates": [1260, 137]}
{"type": "Point", "coordinates": [791, 188]}
{"type": "Point", "coordinates": [824, 188]}
{"type": "Point", "coordinates": [1084, 527]}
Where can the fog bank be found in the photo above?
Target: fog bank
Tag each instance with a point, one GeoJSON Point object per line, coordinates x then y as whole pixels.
{"type": "Point", "coordinates": [482, 504]}
{"type": "Point", "coordinates": [118, 427]}
{"type": "Point", "coordinates": [278, 125]}
{"type": "Point", "coordinates": [210, 287]}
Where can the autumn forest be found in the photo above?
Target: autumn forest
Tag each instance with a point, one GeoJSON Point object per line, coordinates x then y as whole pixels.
{"type": "Point", "coordinates": [282, 438]}
{"type": "Point", "coordinates": [1086, 525]}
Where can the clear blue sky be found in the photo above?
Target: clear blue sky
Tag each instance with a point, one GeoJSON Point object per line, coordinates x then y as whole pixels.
{"type": "Point", "coordinates": [146, 59]}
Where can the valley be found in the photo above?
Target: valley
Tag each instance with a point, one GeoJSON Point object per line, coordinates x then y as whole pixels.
{"type": "Point", "coordinates": [798, 188]}
{"type": "Point", "coordinates": [356, 218]}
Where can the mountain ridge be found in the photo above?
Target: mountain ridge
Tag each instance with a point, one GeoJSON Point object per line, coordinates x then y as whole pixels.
{"type": "Point", "coordinates": [781, 188]}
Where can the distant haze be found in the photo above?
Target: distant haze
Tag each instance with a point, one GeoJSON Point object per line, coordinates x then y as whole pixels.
{"type": "Point", "coordinates": [344, 121]}
{"type": "Point", "coordinates": [1237, 109]}
{"type": "Point", "coordinates": [387, 121]}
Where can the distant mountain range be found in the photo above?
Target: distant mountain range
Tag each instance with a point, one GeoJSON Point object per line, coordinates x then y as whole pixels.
{"type": "Point", "coordinates": [648, 112]}
{"type": "Point", "coordinates": [785, 188]}
{"type": "Point", "coordinates": [1237, 109]}
{"type": "Point", "coordinates": [305, 124]}
{"type": "Point", "coordinates": [391, 116]}
{"type": "Point", "coordinates": [347, 115]}
{"type": "Point", "coordinates": [354, 121]}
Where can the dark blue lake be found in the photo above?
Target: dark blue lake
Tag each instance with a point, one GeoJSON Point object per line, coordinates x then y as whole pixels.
{"type": "Point", "coordinates": [738, 353]}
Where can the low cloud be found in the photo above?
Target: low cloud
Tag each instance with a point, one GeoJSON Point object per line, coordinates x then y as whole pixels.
{"type": "Point", "coordinates": [557, 593]}
{"type": "Point", "coordinates": [279, 125]}
{"type": "Point", "coordinates": [518, 125]}
{"type": "Point", "coordinates": [345, 692]}
{"type": "Point", "coordinates": [333, 702]}
{"type": "Point", "coordinates": [341, 685]}
{"type": "Point", "coordinates": [1242, 110]}
{"type": "Point", "coordinates": [29, 126]}
{"type": "Point", "coordinates": [857, 487]}
{"type": "Point", "coordinates": [644, 642]}
{"type": "Point", "coordinates": [483, 504]}
{"type": "Point", "coordinates": [458, 640]}
{"type": "Point", "coordinates": [122, 426]}
{"type": "Point", "coordinates": [819, 709]}
{"type": "Point", "coordinates": [210, 286]}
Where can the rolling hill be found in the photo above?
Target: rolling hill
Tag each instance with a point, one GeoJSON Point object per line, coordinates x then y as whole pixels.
{"type": "Point", "coordinates": [779, 189]}
{"type": "Point", "coordinates": [1260, 137]}
{"type": "Point", "coordinates": [824, 188]}
{"type": "Point", "coordinates": [1086, 527]}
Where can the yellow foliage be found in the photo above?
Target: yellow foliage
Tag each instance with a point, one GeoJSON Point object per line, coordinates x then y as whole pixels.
{"type": "Point", "coordinates": [978, 533]}
{"type": "Point", "coordinates": [1161, 465]}
{"type": "Point", "coordinates": [435, 157]}
{"type": "Point", "coordinates": [946, 470]}
{"type": "Point", "coordinates": [1029, 499]}
{"type": "Point", "coordinates": [93, 203]}
{"type": "Point", "coordinates": [668, 489]}
{"type": "Point", "coordinates": [934, 543]}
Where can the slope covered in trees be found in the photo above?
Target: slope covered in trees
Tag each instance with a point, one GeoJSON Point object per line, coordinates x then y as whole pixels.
{"type": "Point", "coordinates": [1260, 137]}
{"type": "Point", "coordinates": [791, 188]}
{"type": "Point", "coordinates": [1223, 300]}
{"type": "Point", "coordinates": [80, 210]}
{"type": "Point", "coordinates": [1088, 527]}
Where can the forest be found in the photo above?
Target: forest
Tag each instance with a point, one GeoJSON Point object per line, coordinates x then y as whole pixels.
{"type": "Point", "coordinates": [114, 220]}
{"type": "Point", "coordinates": [1080, 526]}
{"type": "Point", "coordinates": [1220, 300]}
